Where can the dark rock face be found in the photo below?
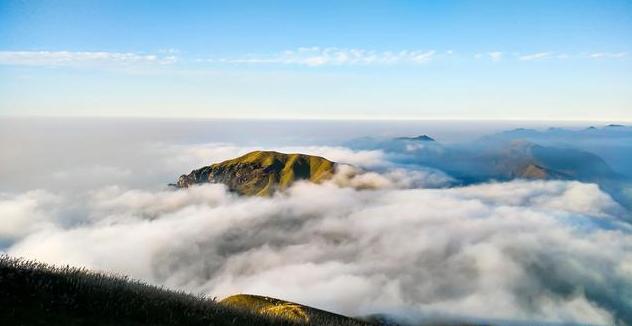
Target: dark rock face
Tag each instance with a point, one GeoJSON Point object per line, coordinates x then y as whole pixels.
{"type": "Point", "coordinates": [261, 172]}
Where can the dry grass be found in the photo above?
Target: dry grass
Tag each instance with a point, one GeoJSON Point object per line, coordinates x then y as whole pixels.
{"type": "Point", "coordinates": [287, 310]}
{"type": "Point", "coordinates": [33, 293]}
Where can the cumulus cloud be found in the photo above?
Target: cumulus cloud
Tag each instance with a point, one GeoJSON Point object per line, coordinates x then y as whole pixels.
{"type": "Point", "coordinates": [392, 178]}
{"type": "Point", "coordinates": [25, 213]}
{"type": "Point", "coordinates": [316, 56]}
{"type": "Point", "coordinates": [85, 58]}
{"type": "Point", "coordinates": [580, 198]}
{"type": "Point", "coordinates": [547, 251]}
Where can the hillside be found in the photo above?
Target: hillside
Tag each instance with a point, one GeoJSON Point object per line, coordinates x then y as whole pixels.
{"type": "Point", "coordinates": [286, 310]}
{"type": "Point", "coordinates": [32, 293]}
{"type": "Point", "coordinates": [261, 173]}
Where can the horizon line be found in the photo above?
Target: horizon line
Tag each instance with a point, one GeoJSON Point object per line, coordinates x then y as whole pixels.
{"type": "Point", "coordinates": [323, 118]}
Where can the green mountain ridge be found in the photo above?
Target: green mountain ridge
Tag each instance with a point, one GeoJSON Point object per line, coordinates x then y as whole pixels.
{"type": "Point", "coordinates": [284, 309]}
{"type": "Point", "coordinates": [261, 173]}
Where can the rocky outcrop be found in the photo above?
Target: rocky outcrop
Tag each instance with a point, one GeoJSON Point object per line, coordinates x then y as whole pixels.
{"type": "Point", "coordinates": [261, 173]}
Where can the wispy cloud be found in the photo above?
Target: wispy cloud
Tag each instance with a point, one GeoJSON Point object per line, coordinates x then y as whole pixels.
{"type": "Point", "coordinates": [86, 58]}
{"type": "Point", "coordinates": [304, 56]}
{"type": "Point", "coordinates": [536, 56]}
{"type": "Point", "coordinates": [316, 56]}
{"type": "Point", "coordinates": [608, 55]}
{"type": "Point", "coordinates": [495, 56]}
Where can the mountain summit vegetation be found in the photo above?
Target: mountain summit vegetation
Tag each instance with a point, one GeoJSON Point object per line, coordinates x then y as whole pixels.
{"type": "Point", "coordinates": [286, 310]}
{"type": "Point", "coordinates": [261, 173]}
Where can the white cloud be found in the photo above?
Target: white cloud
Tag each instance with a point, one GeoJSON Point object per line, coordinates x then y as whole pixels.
{"type": "Point", "coordinates": [393, 178]}
{"type": "Point", "coordinates": [25, 213]}
{"type": "Point", "coordinates": [518, 250]}
{"type": "Point", "coordinates": [363, 243]}
{"type": "Point", "coordinates": [184, 157]}
{"type": "Point", "coordinates": [608, 55]}
{"type": "Point", "coordinates": [86, 58]}
{"type": "Point", "coordinates": [304, 56]}
{"type": "Point", "coordinates": [316, 56]}
{"type": "Point", "coordinates": [359, 158]}
{"type": "Point", "coordinates": [536, 56]}
{"type": "Point", "coordinates": [495, 56]}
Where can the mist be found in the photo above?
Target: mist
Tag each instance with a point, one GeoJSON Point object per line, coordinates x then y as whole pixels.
{"type": "Point", "coordinates": [386, 235]}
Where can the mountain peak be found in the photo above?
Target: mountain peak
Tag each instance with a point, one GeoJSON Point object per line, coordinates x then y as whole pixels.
{"type": "Point", "coordinates": [418, 138]}
{"type": "Point", "coordinates": [261, 173]}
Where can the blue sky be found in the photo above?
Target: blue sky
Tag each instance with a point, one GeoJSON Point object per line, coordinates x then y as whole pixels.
{"type": "Point", "coordinates": [566, 60]}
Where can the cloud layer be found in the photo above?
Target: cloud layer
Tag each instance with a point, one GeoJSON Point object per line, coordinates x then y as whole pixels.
{"type": "Point", "coordinates": [304, 56]}
{"type": "Point", "coordinates": [385, 236]}
{"type": "Point", "coordinates": [549, 251]}
{"type": "Point", "coordinates": [81, 58]}
{"type": "Point", "coordinates": [316, 56]}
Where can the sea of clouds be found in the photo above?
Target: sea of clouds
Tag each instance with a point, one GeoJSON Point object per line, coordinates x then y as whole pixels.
{"type": "Point", "coordinates": [377, 238]}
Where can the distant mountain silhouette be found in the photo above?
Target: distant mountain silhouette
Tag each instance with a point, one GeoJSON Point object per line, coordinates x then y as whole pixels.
{"type": "Point", "coordinates": [505, 156]}
{"type": "Point", "coordinates": [612, 143]}
{"type": "Point", "coordinates": [418, 138]}
{"type": "Point", "coordinates": [523, 159]}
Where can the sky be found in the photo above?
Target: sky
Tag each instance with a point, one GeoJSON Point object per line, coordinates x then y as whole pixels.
{"type": "Point", "coordinates": [488, 60]}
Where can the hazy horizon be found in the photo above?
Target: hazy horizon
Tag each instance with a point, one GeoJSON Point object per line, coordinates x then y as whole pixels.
{"type": "Point", "coordinates": [49, 145]}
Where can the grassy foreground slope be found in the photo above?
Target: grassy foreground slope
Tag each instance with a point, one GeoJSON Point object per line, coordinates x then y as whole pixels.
{"type": "Point", "coordinates": [261, 173]}
{"type": "Point", "coordinates": [33, 293]}
{"type": "Point", "coordinates": [286, 310]}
